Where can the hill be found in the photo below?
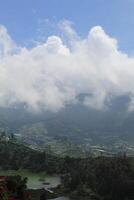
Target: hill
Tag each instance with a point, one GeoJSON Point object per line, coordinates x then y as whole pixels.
{"type": "Point", "coordinates": [14, 156]}
{"type": "Point", "coordinates": [75, 128]}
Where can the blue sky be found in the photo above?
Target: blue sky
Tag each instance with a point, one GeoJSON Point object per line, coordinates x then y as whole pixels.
{"type": "Point", "coordinates": [57, 69]}
{"type": "Point", "coordinates": [22, 18]}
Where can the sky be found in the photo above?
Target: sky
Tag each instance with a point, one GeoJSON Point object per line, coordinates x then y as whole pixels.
{"type": "Point", "coordinates": [53, 50]}
{"type": "Point", "coordinates": [23, 18]}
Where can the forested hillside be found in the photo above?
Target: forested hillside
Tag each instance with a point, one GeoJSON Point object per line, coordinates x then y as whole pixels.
{"type": "Point", "coordinates": [15, 156]}
{"type": "Point", "coordinates": [99, 178]}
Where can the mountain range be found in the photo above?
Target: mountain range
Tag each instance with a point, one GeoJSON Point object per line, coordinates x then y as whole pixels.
{"type": "Point", "coordinates": [74, 129]}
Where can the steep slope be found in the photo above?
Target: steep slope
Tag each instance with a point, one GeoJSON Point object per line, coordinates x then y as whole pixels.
{"type": "Point", "coordinates": [14, 155]}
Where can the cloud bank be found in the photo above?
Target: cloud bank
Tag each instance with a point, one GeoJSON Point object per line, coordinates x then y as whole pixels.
{"type": "Point", "coordinates": [52, 74]}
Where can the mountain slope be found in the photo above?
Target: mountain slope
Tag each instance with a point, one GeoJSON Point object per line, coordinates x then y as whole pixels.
{"type": "Point", "coordinates": [74, 125]}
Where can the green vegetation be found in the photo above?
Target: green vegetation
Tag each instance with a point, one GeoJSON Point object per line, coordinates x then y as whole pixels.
{"type": "Point", "coordinates": [91, 178]}
{"type": "Point", "coordinates": [99, 178]}
{"type": "Point", "coordinates": [13, 188]}
{"type": "Point", "coordinates": [16, 156]}
{"type": "Point", "coordinates": [23, 173]}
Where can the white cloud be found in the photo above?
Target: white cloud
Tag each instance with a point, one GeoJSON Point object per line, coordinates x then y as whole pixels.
{"type": "Point", "coordinates": [6, 44]}
{"type": "Point", "coordinates": [51, 74]}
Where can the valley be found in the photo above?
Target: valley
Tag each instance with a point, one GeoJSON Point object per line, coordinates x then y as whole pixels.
{"type": "Point", "coordinates": [75, 130]}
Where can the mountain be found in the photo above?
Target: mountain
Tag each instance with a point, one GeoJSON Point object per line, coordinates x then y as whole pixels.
{"type": "Point", "coordinates": [74, 127]}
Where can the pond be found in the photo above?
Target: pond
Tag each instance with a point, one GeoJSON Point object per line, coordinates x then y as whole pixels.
{"type": "Point", "coordinates": [36, 180]}
{"type": "Point", "coordinates": [46, 182]}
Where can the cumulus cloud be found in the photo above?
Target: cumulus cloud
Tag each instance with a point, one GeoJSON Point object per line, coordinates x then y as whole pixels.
{"type": "Point", "coordinates": [52, 74]}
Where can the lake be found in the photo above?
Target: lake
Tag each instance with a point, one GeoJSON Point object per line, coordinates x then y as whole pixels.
{"type": "Point", "coordinates": [36, 180]}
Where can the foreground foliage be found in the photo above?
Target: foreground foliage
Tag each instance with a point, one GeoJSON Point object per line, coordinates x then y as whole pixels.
{"type": "Point", "coordinates": [100, 178]}
{"type": "Point", "coordinates": [14, 188]}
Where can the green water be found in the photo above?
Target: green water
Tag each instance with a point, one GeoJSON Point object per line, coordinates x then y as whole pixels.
{"type": "Point", "coordinates": [35, 180]}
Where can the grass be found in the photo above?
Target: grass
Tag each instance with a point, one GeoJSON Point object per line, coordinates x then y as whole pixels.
{"type": "Point", "coordinates": [23, 173]}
